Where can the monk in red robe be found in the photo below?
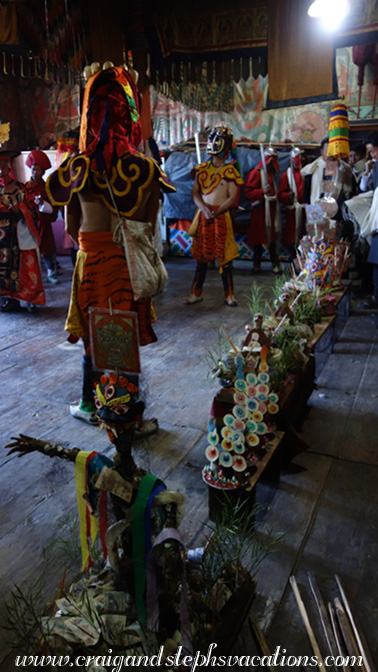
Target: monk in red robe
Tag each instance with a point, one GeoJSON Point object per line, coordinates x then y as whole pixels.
{"type": "Point", "coordinates": [20, 271]}
{"type": "Point", "coordinates": [261, 190]}
{"type": "Point", "coordinates": [290, 194]}
{"type": "Point", "coordinates": [39, 162]}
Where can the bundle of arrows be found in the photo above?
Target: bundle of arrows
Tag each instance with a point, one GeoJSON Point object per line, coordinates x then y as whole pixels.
{"type": "Point", "coordinates": [342, 640]}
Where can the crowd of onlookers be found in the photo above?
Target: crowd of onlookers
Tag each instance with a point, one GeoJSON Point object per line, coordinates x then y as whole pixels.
{"type": "Point", "coordinates": [346, 190]}
{"type": "Point", "coordinates": [26, 216]}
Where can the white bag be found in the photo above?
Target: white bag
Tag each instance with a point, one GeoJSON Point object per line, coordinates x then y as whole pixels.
{"type": "Point", "coordinates": [148, 274]}
{"type": "Point", "coordinates": [359, 207]}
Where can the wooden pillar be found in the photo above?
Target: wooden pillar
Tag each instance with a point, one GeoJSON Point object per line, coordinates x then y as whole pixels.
{"type": "Point", "coordinates": [105, 26]}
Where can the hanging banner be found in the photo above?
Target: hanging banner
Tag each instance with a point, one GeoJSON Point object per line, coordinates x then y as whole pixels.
{"type": "Point", "coordinates": [301, 67]}
{"type": "Point", "coordinates": [8, 24]}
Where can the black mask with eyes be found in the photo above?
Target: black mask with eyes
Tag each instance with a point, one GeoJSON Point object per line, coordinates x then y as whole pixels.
{"type": "Point", "coordinates": [117, 400]}
{"type": "Point", "coordinates": [219, 141]}
{"type": "Point", "coordinates": [12, 194]}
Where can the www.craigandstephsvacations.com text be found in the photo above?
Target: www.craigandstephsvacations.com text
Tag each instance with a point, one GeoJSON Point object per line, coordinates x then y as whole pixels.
{"type": "Point", "coordinates": [117, 662]}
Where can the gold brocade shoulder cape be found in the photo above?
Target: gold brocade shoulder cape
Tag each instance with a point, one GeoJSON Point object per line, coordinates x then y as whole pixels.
{"type": "Point", "coordinates": [209, 176]}
{"type": "Point", "coordinates": [129, 178]}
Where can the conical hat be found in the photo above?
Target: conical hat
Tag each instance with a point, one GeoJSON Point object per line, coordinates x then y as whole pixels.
{"type": "Point", "coordinates": [38, 157]}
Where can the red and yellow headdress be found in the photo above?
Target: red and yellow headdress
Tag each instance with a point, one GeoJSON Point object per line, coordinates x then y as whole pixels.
{"type": "Point", "coordinates": [110, 123]}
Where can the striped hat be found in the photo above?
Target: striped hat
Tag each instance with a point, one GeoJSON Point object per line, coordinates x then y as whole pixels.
{"type": "Point", "coordinates": [338, 146]}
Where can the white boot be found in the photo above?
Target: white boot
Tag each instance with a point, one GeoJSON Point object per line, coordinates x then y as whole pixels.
{"type": "Point", "coordinates": [193, 298]}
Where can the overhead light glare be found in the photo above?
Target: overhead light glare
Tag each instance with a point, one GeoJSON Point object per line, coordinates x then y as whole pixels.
{"type": "Point", "coordinates": [330, 12]}
{"type": "Point", "coordinates": [316, 9]}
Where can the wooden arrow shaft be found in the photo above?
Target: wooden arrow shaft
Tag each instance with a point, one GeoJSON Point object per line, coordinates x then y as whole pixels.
{"type": "Point", "coordinates": [346, 668]}
{"type": "Point", "coordinates": [354, 627]}
{"type": "Point", "coordinates": [327, 628]}
{"type": "Point", "coordinates": [346, 631]}
{"type": "Point", "coordinates": [305, 619]}
{"type": "Point", "coordinates": [260, 639]}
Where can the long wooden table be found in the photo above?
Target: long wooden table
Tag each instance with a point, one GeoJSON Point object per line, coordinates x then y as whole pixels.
{"type": "Point", "coordinates": [329, 323]}
{"type": "Point", "coordinates": [293, 401]}
{"type": "Point", "coordinates": [298, 389]}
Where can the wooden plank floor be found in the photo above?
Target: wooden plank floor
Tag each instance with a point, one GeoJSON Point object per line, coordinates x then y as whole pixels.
{"type": "Point", "coordinates": [328, 506]}
{"type": "Point", "coordinates": [326, 502]}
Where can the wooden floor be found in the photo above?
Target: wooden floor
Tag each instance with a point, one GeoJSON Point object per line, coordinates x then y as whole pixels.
{"type": "Point", "coordinates": [327, 500]}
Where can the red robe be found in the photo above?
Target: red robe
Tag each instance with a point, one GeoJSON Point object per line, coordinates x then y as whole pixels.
{"type": "Point", "coordinates": [47, 245]}
{"type": "Point", "coordinates": [254, 192]}
{"type": "Point", "coordinates": [20, 271]}
{"type": "Point", "coordinates": [284, 189]}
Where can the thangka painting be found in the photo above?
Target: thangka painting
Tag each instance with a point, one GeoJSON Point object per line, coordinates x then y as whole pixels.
{"type": "Point", "coordinates": [114, 340]}
{"type": "Point", "coordinates": [314, 213]}
{"type": "Point", "coordinates": [317, 222]}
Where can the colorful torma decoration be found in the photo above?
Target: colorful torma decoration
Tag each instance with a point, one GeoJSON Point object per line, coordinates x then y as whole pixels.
{"type": "Point", "coordinates": [234, 453]}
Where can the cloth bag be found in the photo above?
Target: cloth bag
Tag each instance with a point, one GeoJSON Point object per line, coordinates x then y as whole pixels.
{"type": "Point", "coordinates": [195, 221]}
{"type": "Point", "coordinates": [148, 274]}
{"type": "Point", "coordinates": [362, 210]}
